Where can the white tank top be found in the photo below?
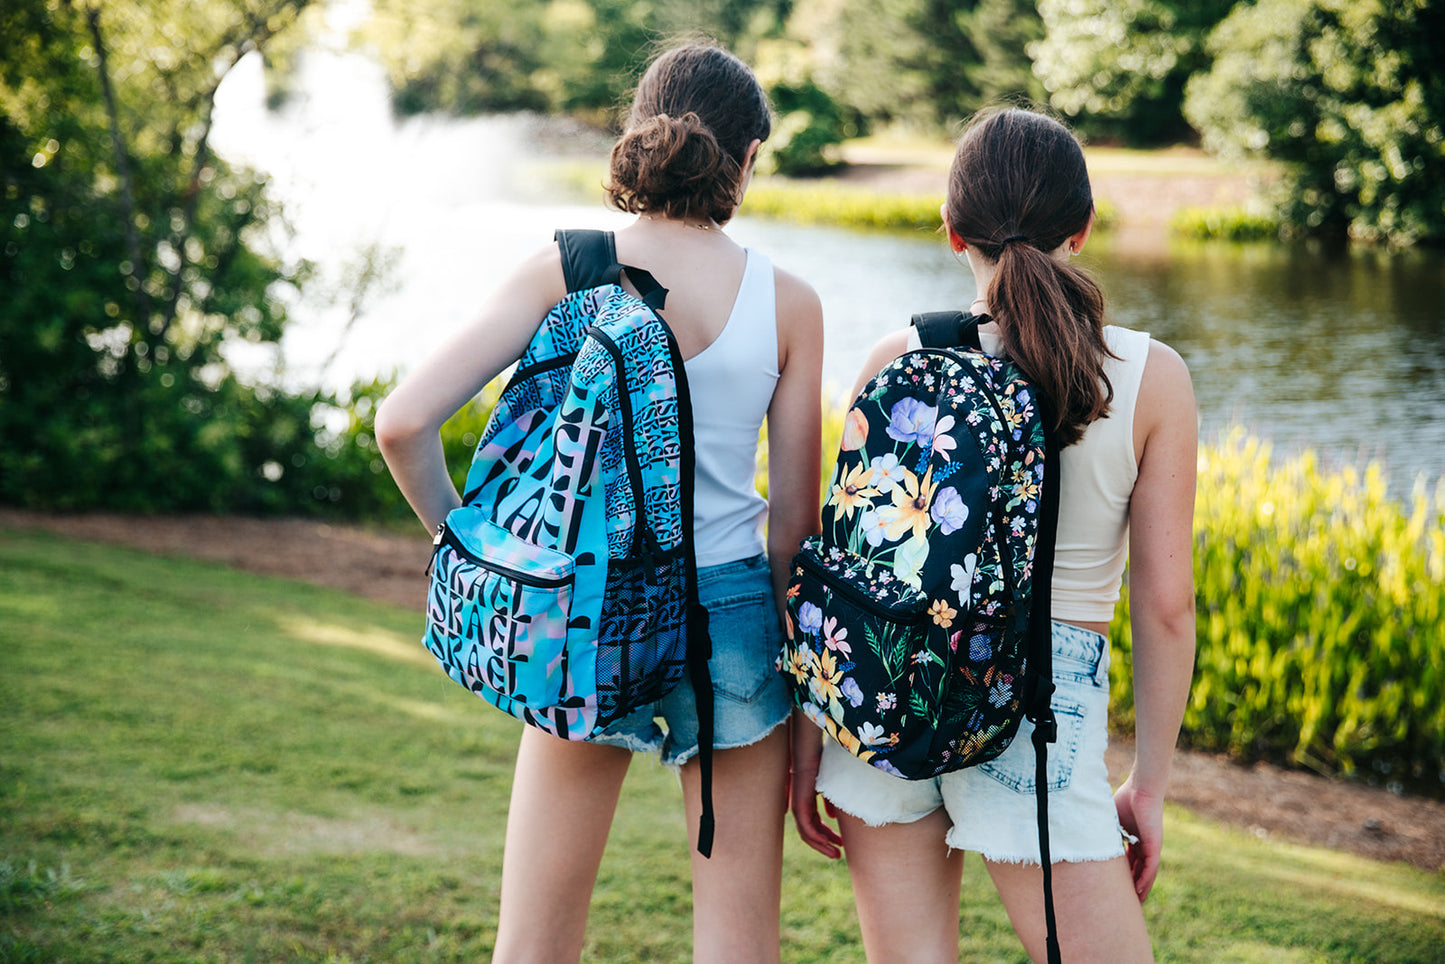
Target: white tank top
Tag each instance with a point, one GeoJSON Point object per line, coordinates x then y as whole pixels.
{"type": "Point", "coordinates": [731, 382]}
{"type": "Point", "coordinates": [1098, 472]}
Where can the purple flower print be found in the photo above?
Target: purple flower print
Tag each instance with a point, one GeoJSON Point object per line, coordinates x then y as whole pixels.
{"type": "Point", "coordinates": [949, 510]}
{"type": "Point", "coordinates": [912, 421]}
{"type": "Point", "coordinates": [874, 529]}
{"type": "Point", "coordinates": [851, 690]}
{"type": "Point", "coordinates": [810, 618]}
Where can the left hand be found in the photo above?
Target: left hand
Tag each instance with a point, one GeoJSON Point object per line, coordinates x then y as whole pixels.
{"type": "Point", "coordinates": [1142, 815]}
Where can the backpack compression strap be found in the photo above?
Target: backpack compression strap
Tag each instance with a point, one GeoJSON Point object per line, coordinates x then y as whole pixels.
{"type": "Point", "coordinates": [1040, 633]}
{"type": "Point", "coordinates": [589, 259]}
{"type": "Point", "coordinates": [952, 329]}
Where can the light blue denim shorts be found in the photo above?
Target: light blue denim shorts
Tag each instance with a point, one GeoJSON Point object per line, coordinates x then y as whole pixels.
{"type": "Point", "coordinates": [750, 699]}
{"type": "Point", "coordinates": [992, 806]}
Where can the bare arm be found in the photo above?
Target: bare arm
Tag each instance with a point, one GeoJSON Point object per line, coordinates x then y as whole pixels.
{"type": "Point", "coordinates": [794, 427]}
{"type": "Point", "coordinates": [1161, 597]}
{"type": "Point", "coordinates": [409, 421]}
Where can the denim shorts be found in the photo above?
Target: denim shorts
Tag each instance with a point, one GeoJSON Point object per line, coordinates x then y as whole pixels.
{"type": "Point", "coordinates": [750, 699]}
{"type": "Point", "coordinates": [992, 806]}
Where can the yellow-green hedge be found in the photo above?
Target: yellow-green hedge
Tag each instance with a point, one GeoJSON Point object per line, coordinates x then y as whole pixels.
{"type": "Point", "coordinates": [1321, 617]}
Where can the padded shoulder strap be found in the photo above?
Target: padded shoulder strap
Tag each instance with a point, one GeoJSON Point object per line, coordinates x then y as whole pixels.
{"type": "Point", "coordinates": [947, 329]}
{"type": "Point", "coordinates": [589, 259]}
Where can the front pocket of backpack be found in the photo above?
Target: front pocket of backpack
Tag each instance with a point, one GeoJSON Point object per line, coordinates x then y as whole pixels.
{"type": "Point", "coordinates": [497, 611]}
{"type": "Point", "coordinates": [856, 633]}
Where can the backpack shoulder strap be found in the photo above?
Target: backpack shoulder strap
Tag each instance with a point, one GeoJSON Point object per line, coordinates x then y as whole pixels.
{"type": "Point", "coordinates": [947, 329]}
{"type": "Point", "coordinates": [589, 259]}
{"type": "Point", "coordinates": [1040, 643]}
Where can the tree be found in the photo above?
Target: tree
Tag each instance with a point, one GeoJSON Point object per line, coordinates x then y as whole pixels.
{"type": "Point", "coordinates": [1118, 67]}
{"type": "Point", "coordinates": [1350, 96]}
{"type": "Point", "coordinates": [130, 257]}
{"type": "Point", "coordinates": [922, 62]}
{"type": "Point", "coordinates": [575, 56]}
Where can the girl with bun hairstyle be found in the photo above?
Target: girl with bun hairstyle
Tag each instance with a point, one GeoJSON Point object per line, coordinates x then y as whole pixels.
{"type": "Point", "coordinates": [1019, 206]}
{"type": "Point", "coordinates": [752, 339]}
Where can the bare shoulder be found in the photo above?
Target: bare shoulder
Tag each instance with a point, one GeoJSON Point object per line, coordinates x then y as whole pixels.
{"type": "Point", "coordinates": [1166, 418]}
{"type": "Point", "coordinates": [541, 271]}
{"type": "Point", "coordinates": [796, 298]}
{"type": "Point", "coordinates": [799, 320]}
{"type": "Point", "coordinates": [1165, 387]}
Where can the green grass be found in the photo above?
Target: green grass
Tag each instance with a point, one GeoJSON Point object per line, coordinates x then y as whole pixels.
{"type": "Point", "coordinates": [198, 764]}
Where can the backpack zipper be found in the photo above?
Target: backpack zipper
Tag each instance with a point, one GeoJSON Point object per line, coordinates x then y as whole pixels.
{"type": "Point", "coordinates": [447, 536]}
{"type": "Point", "coordinates": [858, 597]}
{"type": "Point", "coordinates": [538, 367]}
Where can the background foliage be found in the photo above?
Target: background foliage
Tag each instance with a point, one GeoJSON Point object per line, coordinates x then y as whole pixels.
{"type": "Point", "coordinates": [1350, 95]}
{"type": "Point", "coordinates": [1320, 604]}
{"type": "Point", "coordinates": [131, 257]}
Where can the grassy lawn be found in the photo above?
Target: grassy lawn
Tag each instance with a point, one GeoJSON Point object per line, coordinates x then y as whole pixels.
{"type": "Point", "coordinates": [202, 765]}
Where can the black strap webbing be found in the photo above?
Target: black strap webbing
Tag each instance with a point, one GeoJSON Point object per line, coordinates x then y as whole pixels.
{"type": "Point", "coordinates": [947, 329]}
{"type": "Point", "coordinates": [589, 259]}
{"type": "Point", "coordinates": [952, 329]}
{"type": "Point", "coordinates": [1041, 712]}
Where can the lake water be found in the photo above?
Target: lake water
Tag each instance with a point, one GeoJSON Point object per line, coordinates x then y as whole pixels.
{"type": "Point", "coordinates": [1340, 350]}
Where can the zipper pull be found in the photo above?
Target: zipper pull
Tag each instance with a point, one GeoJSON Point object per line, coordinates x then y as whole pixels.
{"type": "Point", "coordinates": [436, 542]}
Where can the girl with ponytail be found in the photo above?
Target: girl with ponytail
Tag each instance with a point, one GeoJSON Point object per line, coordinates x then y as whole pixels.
{"type": "Point", "coordinates": [752, 339]}
{"type": "Point", "coordinates": [1019, 207]}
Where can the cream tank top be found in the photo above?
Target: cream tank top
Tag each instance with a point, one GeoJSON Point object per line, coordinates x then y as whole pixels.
{"type": "Point", "coordinates": [1098, 472]}
{"type": "Point", "coordinates": [731, 382]}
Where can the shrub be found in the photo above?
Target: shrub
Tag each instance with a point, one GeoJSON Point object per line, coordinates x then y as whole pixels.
{"type": "Point", "coordinates": [840, 206]}
{"type": "Point", "coordinates": [1226, 224]}
{"type": "Point", "coordinates": [1321, 603]}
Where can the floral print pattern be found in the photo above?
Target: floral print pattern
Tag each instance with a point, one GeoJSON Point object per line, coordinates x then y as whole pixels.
{"type": "Point", "coordinates": [907, 615]}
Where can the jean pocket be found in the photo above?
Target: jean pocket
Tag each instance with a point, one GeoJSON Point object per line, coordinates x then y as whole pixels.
{"type": "Point", "coordinates": [1015, 767]}
{"type": "Point", "coordinates": [744, 648]}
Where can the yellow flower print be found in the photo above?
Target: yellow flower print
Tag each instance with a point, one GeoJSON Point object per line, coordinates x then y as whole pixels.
{"type": "Point", "coordinates": [824, 686]}
{"type": "Point", "coordinates": [855, 430]}
{"type": "Point", "coordinates": [911, 502]}
{"type": "Point", "coordinates": [798, 662]}
{"type": "Point", "coordinates": [942, 613]}
{"type": "Point", "coordinates": [853, 490]}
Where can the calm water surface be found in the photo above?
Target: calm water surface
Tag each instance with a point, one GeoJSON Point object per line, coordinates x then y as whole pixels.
{"type": "Point", "coordinates": [1340, 350]}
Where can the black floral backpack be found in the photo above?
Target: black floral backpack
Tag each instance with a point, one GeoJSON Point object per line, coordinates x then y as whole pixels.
{"type": "Point", "coordinates": [920, 634]}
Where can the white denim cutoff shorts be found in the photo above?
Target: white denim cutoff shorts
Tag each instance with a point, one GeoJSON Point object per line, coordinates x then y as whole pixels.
{"type": "Point", "coordinates": [992, 806]}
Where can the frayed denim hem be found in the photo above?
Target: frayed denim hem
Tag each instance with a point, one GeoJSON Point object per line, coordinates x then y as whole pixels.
{"type": "Point", "coordinates": [675, 761]}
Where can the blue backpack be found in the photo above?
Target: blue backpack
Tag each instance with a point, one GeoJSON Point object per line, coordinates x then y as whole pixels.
{"type": "Point", "coordinates": [920, 615]}
{"type": "Point", "coordinates": [564, 589]}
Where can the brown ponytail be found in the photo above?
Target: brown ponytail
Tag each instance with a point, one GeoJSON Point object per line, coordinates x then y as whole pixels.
{"type": "Point", "coordinates": [1017, 191]}
{"type": "Point", "coordinates": [682, 155]}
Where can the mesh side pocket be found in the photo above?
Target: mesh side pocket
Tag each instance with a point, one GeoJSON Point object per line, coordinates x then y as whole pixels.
{"type": "Point", "coordinates": [642, 638]}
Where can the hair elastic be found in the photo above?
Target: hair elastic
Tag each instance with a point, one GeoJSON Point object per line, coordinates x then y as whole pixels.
{"type": "Point", "coordinates": [1012, 238]}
